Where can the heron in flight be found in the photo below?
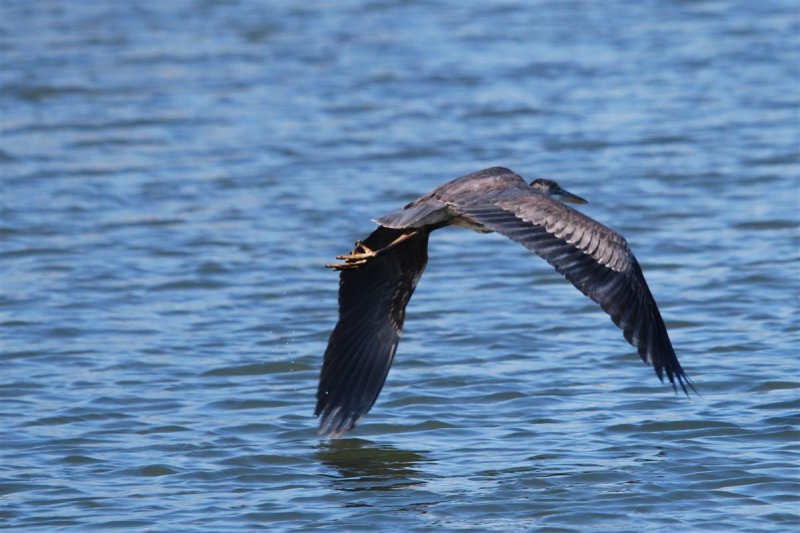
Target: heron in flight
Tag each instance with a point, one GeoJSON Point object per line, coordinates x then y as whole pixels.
{"type": "Point", "coordinates": [379, 276]}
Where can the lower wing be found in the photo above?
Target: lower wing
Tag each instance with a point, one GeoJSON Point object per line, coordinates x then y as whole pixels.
{"type": "Point", "coordinates": [372, 303]}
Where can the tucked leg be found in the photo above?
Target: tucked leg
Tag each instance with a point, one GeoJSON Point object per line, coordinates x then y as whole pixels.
{"type": "Point", "coordinates": [361, 254]}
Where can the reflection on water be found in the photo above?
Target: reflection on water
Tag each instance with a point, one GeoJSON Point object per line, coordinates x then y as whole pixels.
{"type": "Point", "coordinates": [363, 465]}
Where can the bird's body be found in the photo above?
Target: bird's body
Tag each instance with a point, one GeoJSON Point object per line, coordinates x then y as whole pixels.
{"type": "Point", "coordinates": [380, 275]}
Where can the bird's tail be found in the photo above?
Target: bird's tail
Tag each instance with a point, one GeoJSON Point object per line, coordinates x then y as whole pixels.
{"type": "Point", "coordinates": [416, 214]}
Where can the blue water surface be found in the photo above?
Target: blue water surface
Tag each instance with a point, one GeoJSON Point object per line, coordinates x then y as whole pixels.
{"type": "Point", "coordinates": [175, 175]}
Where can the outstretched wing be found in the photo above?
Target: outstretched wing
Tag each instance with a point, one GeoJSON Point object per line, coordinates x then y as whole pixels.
{"type": "Point", "coordinates": [372, 305]}
{"type": "Point", "coordinates": [594, 258]}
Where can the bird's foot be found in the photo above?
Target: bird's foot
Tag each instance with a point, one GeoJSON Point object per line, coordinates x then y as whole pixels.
{"type": "Point", "coordinates": [360, 255]}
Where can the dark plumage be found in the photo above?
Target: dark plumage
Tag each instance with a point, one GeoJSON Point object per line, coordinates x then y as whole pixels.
{"type": "Point", "coordinates": [379, 277]}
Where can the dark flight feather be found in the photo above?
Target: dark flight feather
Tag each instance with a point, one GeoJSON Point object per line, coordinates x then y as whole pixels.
{"type": "Point", "coordinates": [623, 294]}
{"type": "Point", "coordinates": [372, 303]}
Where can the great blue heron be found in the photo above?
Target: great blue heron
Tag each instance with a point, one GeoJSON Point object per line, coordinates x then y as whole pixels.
{"type": "Point", "coordinates": [378, 277]}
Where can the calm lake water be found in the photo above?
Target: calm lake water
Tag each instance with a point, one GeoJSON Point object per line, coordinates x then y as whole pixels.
{"type": "Point", "coordinates": [175, 174]}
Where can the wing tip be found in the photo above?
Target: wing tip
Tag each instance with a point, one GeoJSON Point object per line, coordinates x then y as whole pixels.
{"type": "Point", "coordinates": [336, 422]}
{"type": "Point", "coordinates": [679, 376]}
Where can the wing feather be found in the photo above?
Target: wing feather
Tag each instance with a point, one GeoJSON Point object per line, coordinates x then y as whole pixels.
{"type": "Point", "coordinates": [592, 257]}
{"type": "Point", "coordinates": [372, 303]}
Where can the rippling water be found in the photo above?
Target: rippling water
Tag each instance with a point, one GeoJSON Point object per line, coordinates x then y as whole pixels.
{"type": "Point", "coordinates": [175, 174]}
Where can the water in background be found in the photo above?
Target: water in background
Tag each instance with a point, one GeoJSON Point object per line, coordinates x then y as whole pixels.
{"type": "Point", "coordinates": [175, 174]}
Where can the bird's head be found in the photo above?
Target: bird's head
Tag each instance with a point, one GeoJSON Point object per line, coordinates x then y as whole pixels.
{"type": "Point", "coordinates": [553, 189]}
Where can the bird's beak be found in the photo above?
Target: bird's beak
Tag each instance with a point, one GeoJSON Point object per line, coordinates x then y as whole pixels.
{"type": "Point", "coordinates": [566, 196]}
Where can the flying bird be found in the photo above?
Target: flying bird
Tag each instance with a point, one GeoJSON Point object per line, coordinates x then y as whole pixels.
{"type": "Point", "coordinates": [379, 276]}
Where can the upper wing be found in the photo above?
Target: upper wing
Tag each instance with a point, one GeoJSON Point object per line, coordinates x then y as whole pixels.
{"type": "Point", "coordinates": [594, 258]}
{"type": "Point", "coordinates": [372, 303]}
